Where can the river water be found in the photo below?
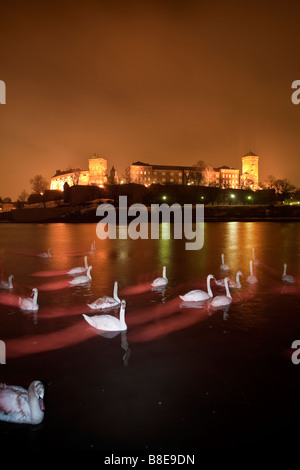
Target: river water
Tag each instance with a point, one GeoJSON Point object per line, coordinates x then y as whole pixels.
{"type": "Point", "coordinates": [182, 378]}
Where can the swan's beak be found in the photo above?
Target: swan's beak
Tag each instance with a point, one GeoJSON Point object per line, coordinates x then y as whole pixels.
{"type": "Point", "coordinates": [41, 403]}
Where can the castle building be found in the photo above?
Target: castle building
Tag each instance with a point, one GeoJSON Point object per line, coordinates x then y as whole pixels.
{"type": "Point", "coordinates": [146, 174]}
{"type": "Point", "coordinates": [249, 177]}
{"type": "Point", "coordinates": [95, 175]}
{"type": "Point", "coordinates": [227, 177]}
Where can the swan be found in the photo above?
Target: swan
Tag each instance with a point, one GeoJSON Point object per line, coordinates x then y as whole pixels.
{"type": "Point", "coordinates": [7, 284]}
{"type": "Point", "coordinates": [80, 269]}
{"type": "Point", "coordinates": [45, 255]}
{"type": "Point", "coordinates": [222, 300]}
{"type": "Point", "coordinates": [30, 303]}
{"type": "Point", "coordinates": [83, 279]}
{"type": "Point", "coordinates": [287, 277]}
{"type": "Point", "coordinates": [108, 322]}
{"type": "Point", "coordinates": [160, 281]}
{"type": "Point", "coordinates": [18, 405]}
{"type": "Point", "coordinates": [235, 284]}
{"type": "Point", "coordinates": [251, 279]}
{"type": "Point", "coordinates": [196, 295]}
{"type": "Point", "coordinates": [224, 265]}
{"type": "Point", "coordinates": [107, 302]}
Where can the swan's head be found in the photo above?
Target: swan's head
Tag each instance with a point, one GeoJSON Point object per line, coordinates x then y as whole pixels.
{"type": "Point", "coordinates": [39, 392]}
{"type": "Point", "coordinates": [34, 291]}
{"type": "Point", "coordinates": [239, 273]}
{"type": "Point", "coordinates": [123, 304]}
{"type": "Point", "coordinates": [210, 276]}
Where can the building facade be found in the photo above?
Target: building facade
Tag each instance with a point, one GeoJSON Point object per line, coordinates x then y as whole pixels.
{"type": "Point", "coordinates": [146, 174]}
{"type": "Point", "coordinates": [95, 175]}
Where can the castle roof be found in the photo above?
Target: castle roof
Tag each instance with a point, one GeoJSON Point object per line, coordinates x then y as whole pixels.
{"type": "Point", "coordinates": [250, 154]}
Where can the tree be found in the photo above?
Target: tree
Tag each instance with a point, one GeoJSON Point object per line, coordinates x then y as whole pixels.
{"type": "Point", "coordinates": [23, 196]}
{"type": "Point", "coordinates": [7, 200]}
{"type": "Point", "coordinates": [208, 176]}
{"type": "Point", "coordinates": [38, 184]}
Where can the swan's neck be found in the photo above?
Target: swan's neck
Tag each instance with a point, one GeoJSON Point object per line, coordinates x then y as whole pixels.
{"type": "Point", "coordinates": [284, 270]}
{"type": "Point", "coordinates": [222, 256]}
{"type": "Point", "coordinates": [115, 294]}
{"type": "Point", "coordinates": [85, 262]}
{"type": "Point", "coordinates": [209, 291]}
{"type": "Point", "coordinates": [251, 270]}
{"type": "Point", "coordinates": [253, 256]}
{"type": "Point", "coordinates": [35, 296]}
{"type": "Point", "coordinates": [164, 272]}
{"type": "Point", "coordinates": [122, 316]}
{"type": "Point", "coordinates": [89, 274]}
{"type": "Point", "coordinates": [227, 289]}
{"type": "Point", "coordinates": [36, 413]}
{"type": "Point", "coordinates": [10, 284]}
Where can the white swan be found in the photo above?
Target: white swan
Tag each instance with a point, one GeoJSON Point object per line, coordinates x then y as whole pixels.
{"type": "Point", "coordinates": [234, 284]}
{"type": "Point", "coordinates": [287, 277]}
{"type": "Point", "coordinates": [222, 300]}
{"type": "Point", "coordinates": [107, 302]}
{"type": "Point", "coordinates": [197, 295]}
{"type": "Point", "coordinates": [7, 284]}
{"type": "Point", "coordinates": [45, 255]}
{"type": "Point", "coordinates": [80, 269]}
{"type": "Point", "coordinates": [30, 303]}
{"type": "Point", "coordinates": [18, 405]}
{"type": "Point", "coordinates": [224, 265]}
{"type": "Point", "coordinates": [108, 322]}
{"type": "Point", "coordinates": [251, 279]}
{"type": "Point", "coordinates": [83, 279]}
{"type": "Point", "coordinates": [160, 281]}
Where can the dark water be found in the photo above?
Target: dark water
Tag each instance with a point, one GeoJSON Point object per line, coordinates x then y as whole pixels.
{"type": "Point", "coordinates": [180, 379]}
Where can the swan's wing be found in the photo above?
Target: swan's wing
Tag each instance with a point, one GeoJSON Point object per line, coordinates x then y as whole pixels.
{"type": "Point", "coordinates": [107, 322]}
{"type": "Point", "coordinates": [104, 302]}
{"type": "Point", "coordinates": [14, 404]}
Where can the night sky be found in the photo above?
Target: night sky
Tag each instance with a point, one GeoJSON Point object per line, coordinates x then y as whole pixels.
{"type": "Point", "coordinates": [164, 82]}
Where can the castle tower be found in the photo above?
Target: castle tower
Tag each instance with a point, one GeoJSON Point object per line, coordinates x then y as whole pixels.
{"type": "Point", "coordinates": [97, 170]}
{"type": "Point", "coordinates": [249, 177]}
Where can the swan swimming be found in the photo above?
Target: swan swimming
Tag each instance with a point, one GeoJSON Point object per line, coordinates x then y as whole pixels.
{"type": "Point", "coordinates": [18, 405]}
{"type": "Point", "coordinates": [83, 279]}
{"type": "Point", "coordinates": [224, 265]}
{"type": "Point", "coordinates": [30, 303]}
{"type": "Point", "coordinates": [160, 281]}
{"type": "Point", "coordinates": [45, 255]}
{"type": "Point", "coordinates": [287, 277]}
{"type": "Point", "coordinates": [251, 279]}
{"type": "Point", "coordinates": [7, 284]}
{"type": "Point", "coordinates": [233, 284]}
{"type": "Point", "coordinates": [108, 322]}
{"type": "Point", "coordinates": [107, 302]}
{"type": "Point", "coordinates": [222, 300]}
{"type": "Point", "coordinates": [197, 294]}
{"type": "Point", "coordinates": [80, 269]}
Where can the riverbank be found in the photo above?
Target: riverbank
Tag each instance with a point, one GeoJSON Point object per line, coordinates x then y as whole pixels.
{"type": "Point", "coordinates": [87, 214]}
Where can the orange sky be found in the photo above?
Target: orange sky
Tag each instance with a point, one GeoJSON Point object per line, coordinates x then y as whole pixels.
{"type": "Point", "coordinates": [156, 81]}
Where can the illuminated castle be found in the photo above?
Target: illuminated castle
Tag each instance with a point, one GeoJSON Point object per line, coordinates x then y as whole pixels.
{"type": "Point", "coordinates": [249, 177]}
{"type": "Point", "coordinates": [96, 175]}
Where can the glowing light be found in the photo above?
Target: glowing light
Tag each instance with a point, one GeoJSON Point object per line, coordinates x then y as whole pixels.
{"type": "Point", "coordinates": [232, 196]}
{"type": "Point", "coordinates": [164, 198]}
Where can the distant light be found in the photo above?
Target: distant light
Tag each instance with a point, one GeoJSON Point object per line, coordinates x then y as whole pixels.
{"type": "Point", "coordinates": [232, 195]}
{"type": "Point", "coordinates": [202, 197]}
{"type": "Point", "coordinates": [249, 197]}
{"type": "Point", "coordinates": [164, 198]}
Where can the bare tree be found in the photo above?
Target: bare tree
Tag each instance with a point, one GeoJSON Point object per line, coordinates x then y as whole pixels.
{"type": "Point", "coordinates": [208, 175]}
{"type": "Point", "coordinates": [23, 196]}
{"type": "Point", "coordinates": [38, 184]}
